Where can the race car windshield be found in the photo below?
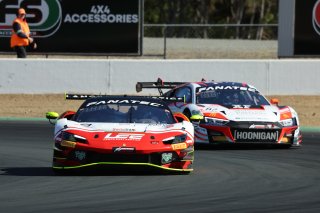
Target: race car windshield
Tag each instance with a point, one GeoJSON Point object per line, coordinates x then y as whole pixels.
{"type": "Point", "coordinates": [231, 97]}
{"type": "Point", "coordinates": [115, 113]}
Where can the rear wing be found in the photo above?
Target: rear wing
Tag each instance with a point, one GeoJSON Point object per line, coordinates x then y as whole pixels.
{"type": "Point", "coordinates": [69, 96]}
{"type": "Point", "coordinates": [159, 84]}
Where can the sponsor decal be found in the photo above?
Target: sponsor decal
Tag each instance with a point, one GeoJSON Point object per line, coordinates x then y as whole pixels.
{"type": "Point", "coordinates": [43, 16]}
{"type": "Point", "coordinates": [80, 155]}
{"type": "Point", "coordinates": [316, 17]}
{"type": "Point", "coordinates": [262, 126]}
{"type": "Point", "coordinates": [202, 89]}
{"type": "Point", "coordinates": [123, 136]}
{"type": "Point", "coordinates": [250, 112]}
{"type": "Point", "coordinates": [287, 122]}
{"type": "Point", "coordinates": [96, 103]}
{"type": "Point", "coordinates": [241, 106]}
{"type": "Point", "coordinates": [208, 94]}
{"type": "Point", "coordinates": [266, 136]}
{"type": "Point", "coordinates": [123, 130]}
{"type": "Point", "coordinates": [179, 146]}
{"type": "Point", "coordinates": [210, 109]}
{"type": "Point", "coordinates": [100, 14]}
{"type": "Point", "coordinates": [161, 125]}
{"type": "Point", "coordinates": [123, 149]}
{"type": "Point", "coordinates": [166, 158]}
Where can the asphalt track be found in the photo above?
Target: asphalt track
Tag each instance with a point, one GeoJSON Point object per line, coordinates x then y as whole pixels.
{"type": "Point", "coordinates": [242, 179]}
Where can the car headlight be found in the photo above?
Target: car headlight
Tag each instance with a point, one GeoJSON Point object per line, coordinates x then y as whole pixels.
{"type": "Point", "coordinates": [66, 136]}
{"type": "Point", "coordinates": [287, 122]}
{"type": "Point", "coordinates": [215, 121]}
{"type": "Point", "coordinates": [176, 139]}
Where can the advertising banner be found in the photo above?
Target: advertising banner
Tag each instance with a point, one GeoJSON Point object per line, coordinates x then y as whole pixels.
{"type": "Point", "coordinates": [307, 27]}
{"type": "Point", "coordinates": [102, 27]}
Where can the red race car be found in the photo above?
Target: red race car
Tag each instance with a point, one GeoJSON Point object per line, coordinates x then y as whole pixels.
{"type": "Point", "coordinates": [122, 131]}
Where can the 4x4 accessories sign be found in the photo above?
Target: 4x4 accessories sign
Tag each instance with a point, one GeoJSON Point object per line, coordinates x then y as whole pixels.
{"type": "Point", "coordinates": [87, 26]}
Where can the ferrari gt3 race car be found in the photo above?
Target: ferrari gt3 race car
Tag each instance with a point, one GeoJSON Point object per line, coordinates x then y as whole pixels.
{"type": "Point", "coordinates": [123, 131]}
{"type": "Point", "coordinates": [232, 113]}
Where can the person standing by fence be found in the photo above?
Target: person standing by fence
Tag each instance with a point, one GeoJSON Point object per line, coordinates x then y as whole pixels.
{"type": "Point", "coordinates": [20, 37]}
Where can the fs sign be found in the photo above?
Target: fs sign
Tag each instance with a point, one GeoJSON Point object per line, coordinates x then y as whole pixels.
{"type": "Point", "coordinates": [86, 27]}
{"type": "Point", "coordinates": [307, 27]}
{"type": "Point", "coordinates": [316, 17]}
{"type": "Point", "coordinates": [44, 17]}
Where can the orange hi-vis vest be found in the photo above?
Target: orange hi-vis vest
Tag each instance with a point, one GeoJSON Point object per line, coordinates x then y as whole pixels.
{"type": "Point", "coordinates": [15, 39]}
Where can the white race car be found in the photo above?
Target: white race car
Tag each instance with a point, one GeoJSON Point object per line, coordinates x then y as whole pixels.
{"type": "Point", "coordinates": [230, 112]}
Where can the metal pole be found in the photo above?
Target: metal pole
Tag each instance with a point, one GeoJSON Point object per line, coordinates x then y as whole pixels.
{"type": "Point", "coordinates": [165, 42]}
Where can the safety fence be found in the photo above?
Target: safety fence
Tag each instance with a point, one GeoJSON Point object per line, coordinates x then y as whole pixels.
{"type": "Point", "coordinates": [210, 40]}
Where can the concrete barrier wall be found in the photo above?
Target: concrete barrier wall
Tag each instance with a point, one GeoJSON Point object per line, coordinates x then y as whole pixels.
{"type": "Point", "coordinates": [39, 76]}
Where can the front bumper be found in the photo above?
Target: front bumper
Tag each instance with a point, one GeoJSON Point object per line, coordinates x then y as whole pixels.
{"type": "Point", "coordinates": [247, 133]}
{"type": "Point", "coordinates": [177, 161]}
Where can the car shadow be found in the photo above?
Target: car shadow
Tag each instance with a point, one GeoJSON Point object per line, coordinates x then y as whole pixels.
{"type": "Point", "coordinates": [203, 146]}
{"type": "Point", "coordinates": [27, 171]}
{"type": "Point", "coordinates": [91, 171]}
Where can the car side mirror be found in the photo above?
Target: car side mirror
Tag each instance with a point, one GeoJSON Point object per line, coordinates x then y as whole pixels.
{"type": "Point", "coordinates": [52, 116]}
{"type": "Point", "coordinates": [274, 101]}
{"type": "Point", "coordinates": [196, 118]}
{"type": "Point", "coordinates": [179, 117]}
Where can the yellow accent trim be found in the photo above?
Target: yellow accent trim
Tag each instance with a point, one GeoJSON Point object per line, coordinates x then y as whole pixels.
{"type": "Point", "coordinates": [69, 144]}
{"type": "Point", "coordinates": [196, 117]}
{"type": "Point", "coordinates": [117, 163]}
{"type": "Point", "coordinates": [179, 146]}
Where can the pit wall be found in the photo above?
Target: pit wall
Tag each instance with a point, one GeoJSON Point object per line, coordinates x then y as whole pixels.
{"type": "Point", "coordinates": [53, 76]}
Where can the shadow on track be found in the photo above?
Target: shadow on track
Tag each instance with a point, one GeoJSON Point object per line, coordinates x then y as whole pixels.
{"type": "Point", "coordinates": [91, 171]}
{"type": "Point", "coordinates": [203, 146]}
{"type": "Point", "coordinates": [27, 171]}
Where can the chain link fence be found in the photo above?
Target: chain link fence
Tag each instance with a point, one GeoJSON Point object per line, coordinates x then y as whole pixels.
{"type": "Point", "coordinates": [209, 41]}
{"type": "Point", "coordinates": [201, 41]}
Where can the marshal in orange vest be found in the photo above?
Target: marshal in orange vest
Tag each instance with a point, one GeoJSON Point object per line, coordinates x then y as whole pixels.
{"type": "Point", "coordinates": [15, 39]}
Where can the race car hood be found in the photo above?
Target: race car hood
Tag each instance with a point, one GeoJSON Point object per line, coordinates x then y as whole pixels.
{"type": "Point", "coordinates": [242, 113]}
{"type": "Point", "coordinates": [116, 127]}
{"type": "Point", "coordinates": [117, 133]}
{"type": "Point", "coordinates": [125, 127]}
